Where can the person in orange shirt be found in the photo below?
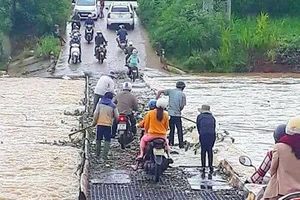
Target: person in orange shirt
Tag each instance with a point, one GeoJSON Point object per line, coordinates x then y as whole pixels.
{"type": "Point", "coordinates": [152, 106]}
{"type": "Point", "coordinates": [156, 125]}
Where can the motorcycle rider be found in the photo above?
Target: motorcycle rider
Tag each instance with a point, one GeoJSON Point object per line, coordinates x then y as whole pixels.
{"type": "Point", "coordinates": [177, 101]}
{"type": "Point", "coordinates": [156, 126]}
{"type": "Point", "coordinates": [260, 173]}
{"type": "Point", "coordinates": [105, 84]}
{"type": "Point", "coordinates": [152, 106]}
{"type": "Point", "coordinates": [285, 164]}
{"type": "Point", "coordinates": [121, 33]}
{"type": "Point", "coordinates": [128, 51]}
{"type": "Point", "coordinates": [100, 39]}
{"type": "Point", "coordinates": [75, 40]}
{"type": "Point", "coordinates": [126, 103]}
{"type": "Point", "coordinates": [133, 60]}
{"type": "Point", "coordinates": [76, 19]}
{"type": "Point", "coordinates": [89, 21]}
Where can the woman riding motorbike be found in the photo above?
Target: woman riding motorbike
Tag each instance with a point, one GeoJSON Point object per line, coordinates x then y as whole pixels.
{"type": "Point", "coordinates": [285, 166]}
{"type": "Point", "coordinates": [152, 106]}
{"type": "Point", "coordinates": [259, 175]}
{"type": "Point", "coordinates": [156, 126]}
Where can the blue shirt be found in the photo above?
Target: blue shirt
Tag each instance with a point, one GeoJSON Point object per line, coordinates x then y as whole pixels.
{"type": "Point", "coordinates": [206, 124]}
{"type": "Point", "coordinates": [177, 99]}
{"type": "Point", "coordinates": [122, 34]}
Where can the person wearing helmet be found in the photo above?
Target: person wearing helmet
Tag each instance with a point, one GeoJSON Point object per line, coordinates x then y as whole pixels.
{"type": "Point", "coordinates": [100, 39]}
{"type": "Point", "coordinates": [259, 174]}
{"type": "Point", "coordinates": [105, 84]}
{"type": "Point", "coordinates": [89, 21]}
{"type": "Point", "coordinates": [75, 20]}
{"type": "Point", "coordinates": [128, 51]}
{"type": "Point", "coordinates": [152, 106]}
{"type": "Point", "coordinates": [106, 111]}
{"type": "Point", "coordinates": [177, 101]}
{"type": "Point", "coordinates": [126, 104]}
{"type": "Point", "coordinates": [285, 164]}
{"type": "Point", "coordinates": [206, 126]}
{"type": "Point", "coordinates": [133, 61]}
{"type": "Point", "coordinates": [156, 126]}
{"type": "Point", "coordinates": [121, 33]}
{"type": "Point", "coordinates": [75, 40]}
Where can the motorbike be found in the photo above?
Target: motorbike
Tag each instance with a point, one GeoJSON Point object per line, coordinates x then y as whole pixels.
{"type": "Point", "coordinates": [246, 161]}
{"type": "Point", "coordinates": [134, 73]}
{"type": "Point", "coordinates": [124, 132]}
{"type": "Point", "coordinates": [75, 53]}
{"type": "Point", "coordinates": [155, 162]}
{"type": "Point", "coordinates": [100, 53]}
{"type": "Point", "coordinates": [89, 33]}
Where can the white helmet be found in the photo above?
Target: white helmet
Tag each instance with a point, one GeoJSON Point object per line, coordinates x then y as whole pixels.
{"type": "Point", "coordinates": [90, 16]}
{"type": "Point", "coordinates": [134, 51]}
{"type": "Point", "coordinates": [161, 103]}
{"type": "Point", "coordinates": [130, 43]}
{"type": "Point", "coordinates": [127, 86]}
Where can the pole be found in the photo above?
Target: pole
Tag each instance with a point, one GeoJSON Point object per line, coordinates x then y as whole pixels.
{"type": "Point", "coordinates": [229, 10]}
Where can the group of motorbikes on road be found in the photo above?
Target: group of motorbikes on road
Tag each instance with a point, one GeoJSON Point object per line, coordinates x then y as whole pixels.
{"type": "Point", "coordinates": [100, 49]}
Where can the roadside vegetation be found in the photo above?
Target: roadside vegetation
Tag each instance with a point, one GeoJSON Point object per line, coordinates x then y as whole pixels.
{"type": "Point", "coordinates": [260, 34]}
{"type": "Point", "coordinates": [30, 23]}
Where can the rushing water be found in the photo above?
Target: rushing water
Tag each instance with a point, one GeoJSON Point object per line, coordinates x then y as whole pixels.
{"type": "Point", "coordinates": [249, 108]}
{"type": "Point", "coordinates": [32, 110]}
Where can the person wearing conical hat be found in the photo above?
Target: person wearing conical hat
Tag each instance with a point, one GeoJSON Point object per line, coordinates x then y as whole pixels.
{"type": "Point", "coordinates": [206, 125]}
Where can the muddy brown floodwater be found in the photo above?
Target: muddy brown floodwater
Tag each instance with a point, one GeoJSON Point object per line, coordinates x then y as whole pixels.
{"type": "Point", "coordinates": [32, 111]}
{"type": "Point", "coordinates": [249, 108]}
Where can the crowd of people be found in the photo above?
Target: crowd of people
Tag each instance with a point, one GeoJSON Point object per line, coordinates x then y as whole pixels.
{"type": "Point", "coordinates": [283, 161]}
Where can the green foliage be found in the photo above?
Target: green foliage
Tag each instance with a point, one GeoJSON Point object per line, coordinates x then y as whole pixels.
{"type": "Point", "coordinates": [274, 8]}
{"type": "Point", "coordinates": [39, 16]}
{"type": "Point", "coordinates": [203, 42]}
{"type": "Point", "coordinates": [46, 45]}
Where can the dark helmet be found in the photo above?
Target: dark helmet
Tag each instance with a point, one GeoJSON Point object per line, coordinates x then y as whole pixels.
{"type": "Point", "coordinates": [180, 84]}
{"type": "Point", "coordinates": [279, 132]}
{"type": "Point", "coordinates": [109, 95]}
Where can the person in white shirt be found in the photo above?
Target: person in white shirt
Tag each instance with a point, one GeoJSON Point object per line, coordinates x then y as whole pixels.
{"type": "Point", "coordinates": [104, 84]}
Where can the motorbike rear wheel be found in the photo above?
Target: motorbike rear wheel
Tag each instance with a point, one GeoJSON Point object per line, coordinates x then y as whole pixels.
{"type": "Point", "coordinates": [123, 141]}
{"type": "Point", "coordinates": [157, 173]}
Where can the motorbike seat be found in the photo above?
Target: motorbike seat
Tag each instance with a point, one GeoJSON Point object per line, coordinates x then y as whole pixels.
{"type": "Point", "coordinates": [157, 142]}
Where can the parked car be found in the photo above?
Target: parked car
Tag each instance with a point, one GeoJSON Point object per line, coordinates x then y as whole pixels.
{"type": "Point", "coordinates": [86, 7]}
{"type": "Point", "coordinates": [120, 13]}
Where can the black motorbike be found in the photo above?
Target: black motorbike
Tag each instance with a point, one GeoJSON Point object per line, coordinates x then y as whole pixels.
{"type": "Point", "coordinates": [100, 55]}
{"type": "Point", "coordinates": [155, 161]}
{"type": "Point", "coordinates": [124, 132]}
{"type": "Point", "coordinates": [89, 33]}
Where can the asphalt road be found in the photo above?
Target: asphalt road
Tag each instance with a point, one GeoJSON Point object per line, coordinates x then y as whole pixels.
{"type": "Point", "coordinates": [115, 57]}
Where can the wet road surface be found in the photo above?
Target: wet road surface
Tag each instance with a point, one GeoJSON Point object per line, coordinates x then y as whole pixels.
{"type": "Point", "coordinates": [115, 57]}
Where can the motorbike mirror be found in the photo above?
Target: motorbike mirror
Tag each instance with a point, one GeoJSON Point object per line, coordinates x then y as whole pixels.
{"type": "Point", "coordinates": [246, 161]}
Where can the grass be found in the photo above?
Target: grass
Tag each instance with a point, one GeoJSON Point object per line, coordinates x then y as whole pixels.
{"type": "Point", "coordinates": [46, 45]}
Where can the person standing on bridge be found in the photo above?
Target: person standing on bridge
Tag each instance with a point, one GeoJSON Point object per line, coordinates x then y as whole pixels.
{"type": "Point", "coordinates": [106, 111]}
{"type": "Point", "coordinates": [104, 84]}
{"type": "Point", "coordinates": [177, 101]}
{"type": "Point", "coordinates": [206, 125]}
